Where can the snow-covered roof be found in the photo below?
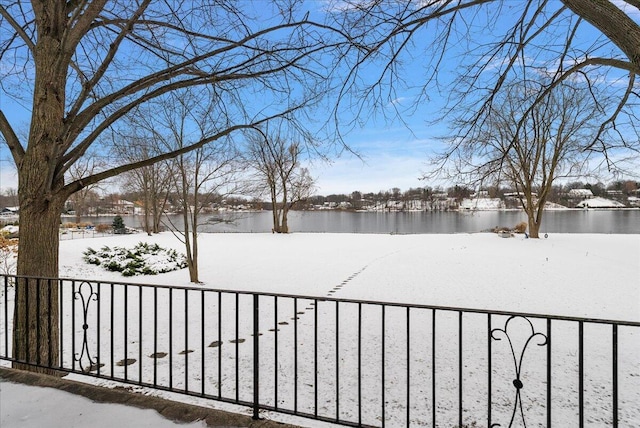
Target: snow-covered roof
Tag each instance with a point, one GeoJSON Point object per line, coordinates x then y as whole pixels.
{"type": "Point", "coordinates": [581, 193]}
{"type": "Point", "coordinates": [599, 203]}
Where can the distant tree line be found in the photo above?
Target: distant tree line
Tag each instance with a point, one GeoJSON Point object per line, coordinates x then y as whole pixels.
{"type": "Point", "coordinates": [94, 204]}
{"type": "Point", "coordinates": [618, 190]}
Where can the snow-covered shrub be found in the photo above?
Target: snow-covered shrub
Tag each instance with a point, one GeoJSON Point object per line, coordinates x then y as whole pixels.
{"type": "Point", "coordinates": [143, 259]}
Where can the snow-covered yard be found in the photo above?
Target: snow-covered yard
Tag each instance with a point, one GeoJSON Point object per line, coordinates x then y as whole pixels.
{"type": "Point", "coordinates": [316, 369]}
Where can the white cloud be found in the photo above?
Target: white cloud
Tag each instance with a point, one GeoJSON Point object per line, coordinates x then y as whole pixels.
{"type": "Point", "coordinates": [375, 173]}
{"type": "Point", "coordinates": [8, 175]}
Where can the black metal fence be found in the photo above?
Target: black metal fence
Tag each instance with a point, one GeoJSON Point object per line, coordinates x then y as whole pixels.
{"type": "Point", "coordinates": [354, 363]}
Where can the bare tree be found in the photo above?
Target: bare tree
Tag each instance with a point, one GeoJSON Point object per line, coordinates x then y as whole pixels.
{"type": "Point", "coordinates": [276, 163]}
{"type": "Point", "coordinates": [530, 148]}
{"type": "Point", "coordinates": [596, 40]}
{"type": "Point", "coordinates": [152, 182]}
{"type": "Point", "coordinates": [83, 198]}
{"type": "Point", "coordinates": [84, 66]}
{"type": "Point", "coordinates": [10, 197]}
{"type": "Point", "coordinates": [199, 176]}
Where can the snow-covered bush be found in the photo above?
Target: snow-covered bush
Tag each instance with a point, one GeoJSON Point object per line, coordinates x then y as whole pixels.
{"type": "Point", "coordinates": [143, 259]}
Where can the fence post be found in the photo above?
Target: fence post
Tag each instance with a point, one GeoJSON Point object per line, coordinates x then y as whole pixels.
{"type": "Point", "coordinates": [256, 356]}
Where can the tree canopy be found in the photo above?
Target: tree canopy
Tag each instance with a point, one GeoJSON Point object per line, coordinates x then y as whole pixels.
{"type": "Point", "coordinates": [484, 44]}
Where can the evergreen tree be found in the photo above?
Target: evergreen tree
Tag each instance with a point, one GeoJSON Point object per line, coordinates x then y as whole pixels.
{"type": "Point", "coordinates": [118, 224]}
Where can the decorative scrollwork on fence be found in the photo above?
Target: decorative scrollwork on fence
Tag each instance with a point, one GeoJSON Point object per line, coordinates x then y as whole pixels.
{"type": "Point", "coordinates": [517, 360]}
{"type": "Point", "coordinates": [85, 294]}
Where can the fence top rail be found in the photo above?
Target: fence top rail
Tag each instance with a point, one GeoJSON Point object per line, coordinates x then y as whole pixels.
{"type": "Point", "coordinates": [554, 317]}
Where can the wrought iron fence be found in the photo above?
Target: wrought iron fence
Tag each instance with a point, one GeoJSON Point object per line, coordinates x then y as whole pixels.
{"type": "Point", "coordinates": [354, 363]}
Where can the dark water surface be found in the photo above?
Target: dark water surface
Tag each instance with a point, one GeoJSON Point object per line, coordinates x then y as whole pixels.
{"type": "Point", "coordinates": [560, 221]}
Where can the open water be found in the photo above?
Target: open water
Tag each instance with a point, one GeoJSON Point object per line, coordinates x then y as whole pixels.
{"type": "Point", "coordinates": [554, 221]}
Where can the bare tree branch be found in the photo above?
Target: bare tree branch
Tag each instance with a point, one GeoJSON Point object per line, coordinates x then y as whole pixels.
{"type": "Point", "coordinates": [18, 29]}
{"type": "Point", "coordinates": [11, 139]}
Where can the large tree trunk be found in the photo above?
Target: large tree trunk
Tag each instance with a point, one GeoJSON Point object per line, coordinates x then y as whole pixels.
{"type": "Point", "coordinates": [534, 227]}
{"type": "Point", "coordinates": [284, 225]}
{"type": "Point", "coordinates": [36, 316]}
{"type": "Point", "coordinates": [275, 212]}
{"type": "Point", "coordinates": [36, 327]}
{"type": "Point", "coordinates": [534, 216]}
{"type": "Point", "coordinates": [529, 209]}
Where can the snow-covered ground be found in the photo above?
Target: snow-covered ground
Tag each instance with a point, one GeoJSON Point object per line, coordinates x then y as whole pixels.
{"type": "Point", "coordinates": [588, 275]}
{"type": "Point", "coordinates": [24, 406]}
{"type": "Point", "coordinates": [581, 275]}
{"type": "Point", "coordinates": [600, 203]}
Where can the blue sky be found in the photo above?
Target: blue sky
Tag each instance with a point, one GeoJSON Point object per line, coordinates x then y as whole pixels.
{"type": "Point", "coordinates": [392, 153]}
{"type": "Point", "coordinates": [390, 156]}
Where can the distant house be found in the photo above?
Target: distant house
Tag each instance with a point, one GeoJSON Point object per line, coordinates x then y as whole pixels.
{"type": "Point", "coordinates": [599, 203]}
{"type": "Point", "coordinates": [518, 195]}
{"type": "Point", "coordinates": [480, 194]}
{"type": "Point", "coordinates": [482, 204]}
{"type": "Point", "coordinates": [580, 193]}
{"type": "Point", "coordinates": [122, 206]}
{"type": "Point", "coordinates": [9, 212]}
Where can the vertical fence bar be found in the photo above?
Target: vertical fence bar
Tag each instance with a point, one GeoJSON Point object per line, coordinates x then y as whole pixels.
{"type": "Point", "coordinates": [237, 347]}
{"type": "Point", "coordinates": [549, 366]}
{"type": "Point", "coordinates": [275, 351]}
{"type": "Point", "coordinates": [433, 367]}
{"type": "Point", "coordinates": [73, 327]}
{"type": "Point", "coordinates": [408, 367]}
{"type": "Point", "coordinates": [489, 370]}
{"type": "Point", "coordinates": [98, 327]}
{"type": "Point", "coordinates": [60, 320]}
{"type": "Point", "coordinates": [126, 331]}
{"type": "Point", "coordinates": [202, 347]}
{"type": "Point", "coordinates": [615, 374]}
{"type": "Point", "coordinates": [186, 339]}
{"type": "Point", "coordinates": [256, 356]}
{"type": "Point", "coordinates": [28, 286]}
{"type": "Point", "coordinates": [460, 368]}
{"type": "Point", "coordinates": [295, 355]}
{"type": "Point", "coordinates": [38, 309]}
{"type": "Point", "coordinates": [581, 372]}
{"type": "Point", "coordinates": [50, 327]}
{"type": "Point", "coordinates": [155, 336]}
{"type": "Point", "coordinates": [171, 338]}
{"type": "Point", "coordinates": [6, 315]}
{"type": "Point", "coordinates": [337, 360]}
{"type": "Point", "coordinates": [140, 334]}
{"type": "Point", "coordinates": [383, 365]}
{"type": "Point", "coordinates": [112, 316]}
{"type": "Point", "coordinates": [359, 363]}
{"type": "Point", "coordinates": [219, 344]}
{"type": "Point", "coordinates": [315, 358]}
